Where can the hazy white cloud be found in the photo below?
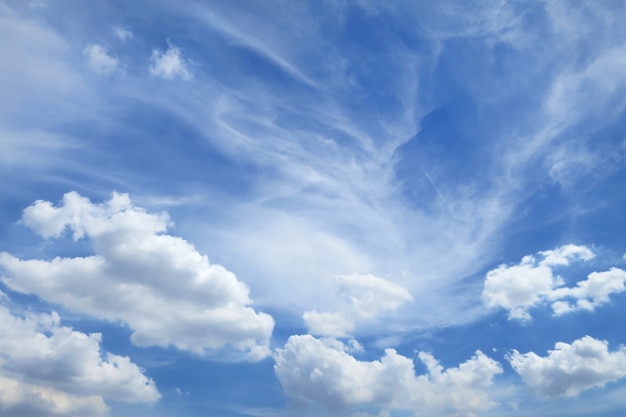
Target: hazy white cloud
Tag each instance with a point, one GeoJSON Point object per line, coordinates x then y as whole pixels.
{"type": "Point", "coordinates": [169, 64]}
{"type": "Point", "coordinates": [122, 33]}
{"type": "Point", "coordinates": [314, 370]}
{"type": "Point", "coordinates": [364, 296]}
{"type": "Point", "coordinates": [21, 399]}
{"type": "Point", "coordinates": [328, 324]}
{"type": "Point", "coordinates": [569, 370]}
{"type": "Point", "coordinates": [50, 369]}
{"type": "Point", "coordinates": [166, 291]}
{"type": "Point", "coordinates": [517, 288]}
{"type": "Point", "coordinates": [99, 60]}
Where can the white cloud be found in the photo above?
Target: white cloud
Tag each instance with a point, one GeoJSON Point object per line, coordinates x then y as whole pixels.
{"type": "Point", "coordinates": [564, 254]}
{"type": "Point", "coordinates": [569, 370]}
{"type": "Point", "coordinates": [367, 296]}
{"type": "Point", "coordinates": [99, 60]}
{"type": "Point", "coordinates": [518, 287]}
{"type": "Point", "coordinates": [51, 368]}
{"type": "Point", "coordinates": [314, 370]}
{"type": "Point", "coordinates": [532, 282]}
{"type": "Point", "coordinates": [20, 399]}
{"type": "Point", "coordinates": [166, 291]}
{"type": "Point", "coordinates": [328, 324]}
{"type": "Point", "coordinates": [169, 64]}
{"type": "Point", "coordinates": [122, 33]}
{"type": "Point", "coordinates": [590, 293]}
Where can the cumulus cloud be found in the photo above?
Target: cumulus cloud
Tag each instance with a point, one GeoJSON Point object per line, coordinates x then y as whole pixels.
{"type": "Point", "coordinates": [99, 60]}
{"type": "Point", "coordinates": [166, 291]}
{"type": "Point", "coordinates": [56, 370]}
{"type": "Point", "coordinates": [592, 292]}
{"type": "Point", "coordinates": [569, 370]}
{"type": "Point", "coordinates": [532, 282]}
{"type": "Point", "coordinates": [319, 371]}
{"type": "Point", "coordinates": [169, 64]}
{"type": "Point", "coordinates": [365, 296]}
{"type": "Point", "coordinates": [20, 399]}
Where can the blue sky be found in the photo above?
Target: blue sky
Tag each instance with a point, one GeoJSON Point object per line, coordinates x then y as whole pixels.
{"type": "Point", "coordinates": [362, 209]}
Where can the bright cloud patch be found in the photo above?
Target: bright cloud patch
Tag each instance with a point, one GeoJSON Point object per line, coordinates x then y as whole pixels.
{"type": "Point", "coordinates": [518, 288]}
{"type": "Point", "coordinates": [367, 296]}
{"type": "Point", "coordinates": [569, 370]}
{"type": "Point", "coordinates": [166, 291]}
{"type": "Point", "coordinates": [593, 291]}
{"type": "Point", "coordinates": [53, 369]}
{"type": "Point", "coordinates": [169, 64]}
{"type": "Point", "coordinates": [98, 59]}
{"type": "Point", "coordinates": [20, 399]}
{"type": "Point", "coordinates": [314, 370]}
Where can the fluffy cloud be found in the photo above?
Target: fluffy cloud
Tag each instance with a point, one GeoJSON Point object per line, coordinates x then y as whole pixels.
{"type": "Point", "coordinates": [99, 60]}
{"type": "Point", "coordinates": [593, 291]}
{"type": "Point", "coordinates": [19, 399]}
{"type": "Point", "coordinates": [314, 370]}
{"type": "Point", "coordinates": [367, 296]}
{"type": "Point", "coordinates": [166, 291]}
{"type": "Point", "coordinates": [569, 370]}
{"type": "Point", "coordinates": [517, 288]}
{"type": "Point", "coordinates": [169, 64]}
{"type": "Point", "coordinates": [58, 371]}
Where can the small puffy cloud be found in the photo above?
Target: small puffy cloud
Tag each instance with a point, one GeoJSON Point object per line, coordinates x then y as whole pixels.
{"type": "Point", "coordinates": [99, 61]}
{"type": "Point", "coordinates": [158, 284]}
{"type": "Point", "coordinates": [532, 282]}
{"type": "Point", "coordinates": [365, 296]}
{"type": "Point", "coordinates": [314, 370]}
{"type": "Point", "coordinates": [122, 33]}
{"type": "Point", "coordinates": [169, 64]}
{"type": "Point", "coordinates": [569, 370]}
{"type": "Point", "coordinates": [52, 369]}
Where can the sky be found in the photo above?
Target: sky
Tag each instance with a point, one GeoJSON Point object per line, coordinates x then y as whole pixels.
{"type": "Point", "coordinates": [312, 208]}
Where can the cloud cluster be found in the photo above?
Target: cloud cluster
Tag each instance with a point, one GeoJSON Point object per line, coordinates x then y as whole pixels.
{"type": "Point", "coordinates": [168, 64]}
{"type": "Point", "coordinates": [322, 371]}
{"type": "Point", "coordinates": [50, 369]}
{"type": "Point", "coordinates": [158, 284]}
{"type": "Point", "coordinates": [532, 282]}
{"type": "Point", "coordinates": [569, 370]}
{"type": "Point", "coordinates": [365, 296]}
